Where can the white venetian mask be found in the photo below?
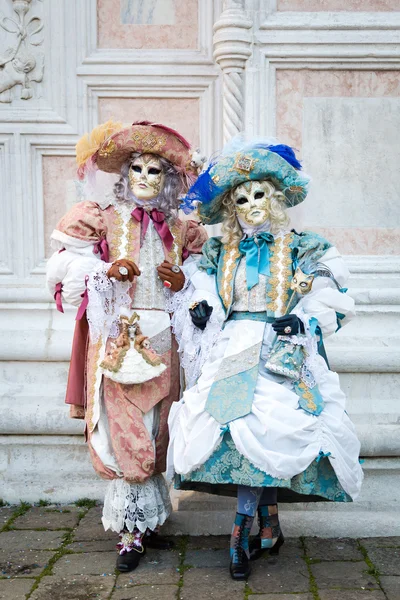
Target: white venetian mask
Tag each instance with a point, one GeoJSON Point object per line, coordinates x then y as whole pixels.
{"type": "Point", "coordinates": [252, 202]}
{"type": "Point", "coordinates": [146, 177]}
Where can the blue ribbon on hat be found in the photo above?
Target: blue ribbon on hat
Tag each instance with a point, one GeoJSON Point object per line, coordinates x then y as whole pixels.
{"type": "Point", "coordinates": [256, 250]}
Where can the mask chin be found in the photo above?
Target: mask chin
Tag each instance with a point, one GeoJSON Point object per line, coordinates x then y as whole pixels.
{"type": "Point", "coordinates": [251, 229]}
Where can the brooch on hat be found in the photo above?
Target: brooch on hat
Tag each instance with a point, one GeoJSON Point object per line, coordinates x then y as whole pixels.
{"type": "Point", "coordinates": [244, 164]}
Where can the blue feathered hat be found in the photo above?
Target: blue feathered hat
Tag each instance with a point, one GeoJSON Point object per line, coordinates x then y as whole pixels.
{"type": "Point", "coordinates": [243, 161]}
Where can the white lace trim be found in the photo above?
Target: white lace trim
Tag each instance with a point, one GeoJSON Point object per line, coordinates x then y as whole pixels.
{"type": "Point", "coordinates": [136, 505]}
{"type": "Point", "coordinates": [313, 368]}
{"type": "Point", "coordinates": [106, 298]}
{"type": "Point", "coordinates": [194, 344]}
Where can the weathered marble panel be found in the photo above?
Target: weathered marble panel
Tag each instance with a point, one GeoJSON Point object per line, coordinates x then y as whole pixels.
{"type": "Point", "coordinates": [293, 85]}
{"type": "Point", "coordinates": [59, 191]}
{"type": "Point", "coordinates": [363, 241]}
{"type": "Point", "coordinates": [333, 5]}
{"type": "Point", "coordinates": [181, 114]}
{"type": "Point", "coordinates": [351, 148]}
{"type": "Point", "coordinates": [151, 24]}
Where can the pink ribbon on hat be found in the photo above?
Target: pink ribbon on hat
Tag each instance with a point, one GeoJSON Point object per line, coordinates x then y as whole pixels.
{"type": "Point", "coordinates": [84, 304]}
{"type": "Point", "coordinates": [102, 247]}
{"type": "Point", "coordinates": [58, 297]}
{"type": "Point", "coordinates": [159, 222]}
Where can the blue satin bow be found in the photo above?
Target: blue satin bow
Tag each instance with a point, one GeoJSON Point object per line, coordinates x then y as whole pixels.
{"type": "Point", "coordinates": [256, 250]}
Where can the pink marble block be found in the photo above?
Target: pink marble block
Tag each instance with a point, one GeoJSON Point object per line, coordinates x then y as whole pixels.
{"type": "Point", "coordinates": [59, 174]}
{"type": "Point", "coordinates": [338, 5]}
{"type": "Point", "coordinates": [363, 241]}
{"type": "Point", "coordinates": [182, 114]}
{"type": "Point", "coordinates": [292, 85]}
{"type": "Point", "coordinates": [113, 32]}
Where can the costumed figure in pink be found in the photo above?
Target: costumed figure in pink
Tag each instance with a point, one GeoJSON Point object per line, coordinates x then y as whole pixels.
{"type": "Point", "coordinates": [118, 257]}
{"type": "Point", "coordinates": [263, 416]}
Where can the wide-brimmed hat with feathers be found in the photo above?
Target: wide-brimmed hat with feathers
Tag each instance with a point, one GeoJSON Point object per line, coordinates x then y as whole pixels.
{"type": "Point", "coordinates": [242, 161]}
{"type": "Point", "coordinates": [110, 145]}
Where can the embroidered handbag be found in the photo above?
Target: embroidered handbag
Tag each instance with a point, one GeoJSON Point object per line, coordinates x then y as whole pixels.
{"type": "Point", "coordinates": [286, 358]}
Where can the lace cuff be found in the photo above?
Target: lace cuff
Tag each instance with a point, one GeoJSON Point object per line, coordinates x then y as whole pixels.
{"type": "Point", "coordinates": [106, 298]}
{"type": "Point", "coordinates": [194, 344]}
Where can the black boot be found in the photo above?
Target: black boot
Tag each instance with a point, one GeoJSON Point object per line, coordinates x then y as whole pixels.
{"type": "Point", "coordinates": [130, 551]}
{"type": "Point", "coordinates": [240, 560]}
{"type": "Point", "coordinates": [157, 542]}
{"type": "Point", "coordinates": [270, 537]}
{"type": "Point", "coordinates": [130, 560]}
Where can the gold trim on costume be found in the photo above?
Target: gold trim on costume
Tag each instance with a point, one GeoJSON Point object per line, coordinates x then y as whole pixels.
{"type": "Point", "coordinates": [281, 270]}
{"type": "Point", "coordinates": [117, 233]}
{"type": "Point", "coordinates": [91, 388]}
{"type": "Point", "coordinates": [149, 141]}
{"type": "Point", "coordinates": [175, 254]}
{"type": "Point", "coordinates": [307, 395]}
{"type": "Point", "coordinates": [229, 263]}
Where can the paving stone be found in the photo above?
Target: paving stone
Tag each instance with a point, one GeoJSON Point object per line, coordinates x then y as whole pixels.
{"type": "Point", "coordinates": [23, 563]}
{"type": "Point", "coordinates": [90, 563]}
{"type": "Point", "coordinates": [6, 512]}
{"type": "Point", "coordinates": [157, 567]}
{"type": "Point", "coordinates": [378, 542]}
{"type": "Point", "coordinates": [333, 549]}
{"type": "Point", "coordinates": [93, 546]}
{"type": "Point", "coordinates": [31, 540]}
{"type": "Point", "coordinates": [208, 558]}
{"type": "Point", "coordinates": [210, 542]}
{"type": "Point", "coordinates": [74, 588]}
{"type": "Point", "coordinates": [15, 589]}
{"type": "Point", "coordinates": [91, 528]}
{"type": "Point", "coordinates": [350, 595]}
{"type": "Point", "coordinates": [280, 596]}
{"type": "Point", "coordinates": [386, 560]}
{"type": "Point", "coordinates": [285, 575]}
{"type": "Point", "coordinates": [343, 575]}
{"type": "Point", "coordinates": [48, 518]}
{"type": "Point", "coordinates": [391, 585]}
{"type": "Point", "coordinates": [211, 584]}
{"type": "Point", "coordinates": [146, 592]}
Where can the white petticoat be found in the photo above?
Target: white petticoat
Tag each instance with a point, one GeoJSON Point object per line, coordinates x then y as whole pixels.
{"type": "Point", "coordinates": [276, 436]}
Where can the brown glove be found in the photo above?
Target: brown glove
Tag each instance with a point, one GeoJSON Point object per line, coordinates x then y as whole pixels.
{"type": "Point", "coordinates": [131, 267]}
{"type": "Point", "coordinates": [172, 280]}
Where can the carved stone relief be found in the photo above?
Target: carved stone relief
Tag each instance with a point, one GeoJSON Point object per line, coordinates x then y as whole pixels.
{"type": "Point", "coordinates": [21, 64]}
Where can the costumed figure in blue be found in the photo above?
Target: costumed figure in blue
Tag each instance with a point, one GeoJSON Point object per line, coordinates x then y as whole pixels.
{"type": "Point", "coordinates": [262, 416]}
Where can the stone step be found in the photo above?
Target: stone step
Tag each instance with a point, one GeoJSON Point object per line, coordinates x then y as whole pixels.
{"type": "Point", "coordinates": [337, 523]}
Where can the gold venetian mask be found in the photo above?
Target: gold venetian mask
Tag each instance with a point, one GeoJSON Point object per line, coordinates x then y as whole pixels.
{"type": "Point", "coordinates": [301, 283]}
{"type": "Point", "coordinates": [252, 201]}
{"type": "Point", "coordinates": [146, 177]}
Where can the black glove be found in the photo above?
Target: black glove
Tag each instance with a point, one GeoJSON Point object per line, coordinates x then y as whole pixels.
{"type": "Point", "coordinates": [200, 314]}
{"type": "Point", "coordinates": [292, 321]}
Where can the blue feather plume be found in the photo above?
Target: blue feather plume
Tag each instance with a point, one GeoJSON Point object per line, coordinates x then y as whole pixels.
{"type": "Point", "coordinates": [286, 152]}
{"type": "Point", "coordinates": [203, 190]}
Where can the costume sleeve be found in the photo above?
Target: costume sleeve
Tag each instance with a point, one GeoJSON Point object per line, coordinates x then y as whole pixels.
{"type": "Point", "coordinates": [211, 252]}
{"type": "Point", "coordinates": [331, 306]}
{"type": "Point", "coordinates": [76, 239]}
{"type": "Point", "coordinates": [194, 344]}
{"type": "Point", "coordinates": [194, 236]}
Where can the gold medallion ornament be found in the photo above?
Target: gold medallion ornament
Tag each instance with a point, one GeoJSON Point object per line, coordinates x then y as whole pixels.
{"type": "Point", "coordinates": [108, 149]}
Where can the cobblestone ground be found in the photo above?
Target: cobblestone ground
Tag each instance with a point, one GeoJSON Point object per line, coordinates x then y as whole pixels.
{"type": "Point", "coordinates": [63, 553]}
